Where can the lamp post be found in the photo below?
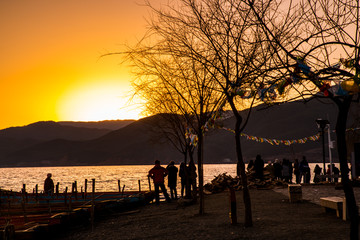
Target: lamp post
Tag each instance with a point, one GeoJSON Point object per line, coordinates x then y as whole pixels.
{"type": "Point", "coordinates": [321, 123]}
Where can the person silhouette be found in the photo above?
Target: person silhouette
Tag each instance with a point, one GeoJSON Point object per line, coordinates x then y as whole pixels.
{"type": "Point", "coordinates": [158, 174]}
{"type": "Point", "coordinates": [259, 167]}
{"type": "Point", "coordinates": [172, 179]}
{"type": "Point", "coordinates": [183, 177]}
{"type": "Point", "coordinates": [49, 185]}
{"type": "Point", "coordinates": [191, 170]}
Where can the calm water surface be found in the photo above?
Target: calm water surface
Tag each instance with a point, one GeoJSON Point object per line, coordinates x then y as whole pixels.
{"type": "Point", "coordinates": [106, 177]}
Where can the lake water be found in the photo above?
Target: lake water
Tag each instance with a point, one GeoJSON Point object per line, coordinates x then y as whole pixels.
{"type": "Point", "coordinates": [106, 177]}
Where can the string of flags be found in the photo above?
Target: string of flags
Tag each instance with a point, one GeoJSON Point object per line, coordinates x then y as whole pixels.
{"type": "Point", "coordinates": [276, 141]}
{"type": "Point", "coordinates": [352, 129]}
{"type": "Point", "coordinates": [303, 71]}
{"type": "Point", "coordinates": [194, 139]}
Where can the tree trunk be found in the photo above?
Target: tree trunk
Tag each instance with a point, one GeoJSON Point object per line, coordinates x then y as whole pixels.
{"type": "Point", "coordinates": [342, 151]}
{"type": "Point", "coordinates": [200, 172]}
{"type": "Point", "coordinates": [187, 182]}
{"type": "Point", "coordinates": [242, 174]}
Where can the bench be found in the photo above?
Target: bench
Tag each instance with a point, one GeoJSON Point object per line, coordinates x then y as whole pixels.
{"type": "Point", "coordinates": [336, 203]}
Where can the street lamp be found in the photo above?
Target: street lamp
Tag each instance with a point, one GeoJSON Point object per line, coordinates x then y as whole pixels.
{"type": "Point", "coordinates": [322, 123]}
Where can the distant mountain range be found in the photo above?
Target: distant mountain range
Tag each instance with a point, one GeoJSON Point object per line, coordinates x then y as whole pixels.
{"type": "Point", "coordinates": [134, 142]}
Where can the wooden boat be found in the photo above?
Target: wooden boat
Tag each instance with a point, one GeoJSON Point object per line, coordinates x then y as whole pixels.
{"type": "Point", "coordinates": [35, 216]}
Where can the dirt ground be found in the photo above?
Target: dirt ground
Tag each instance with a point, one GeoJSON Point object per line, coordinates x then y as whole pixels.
{"type": "Point", "coordinates": [274, 217]}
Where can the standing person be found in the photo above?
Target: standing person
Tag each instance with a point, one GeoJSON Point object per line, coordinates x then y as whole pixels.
{"type": "Point", "coordinates": [172, 179]}
{"type": "Point", "coordinates": [182, 175]}
{"type": "Point", "coordinates": [317, 172]}
{"type": "Point", "coordinates": [297, 171]}
{"type": "Point", "coordinates": [192, 178]}
{"type": "Point", "coordinates": [328, 172]}
{"type": "Point", "coordinates": [336, 172]}
{"type": "Point", "coordinates": [158, 174]}
{"type": "Point", "coordinates": [277, 169]}
{"type": "Point", "coordinates": [304, 170]}
{"type": "Point", "coordinates": [259, 167]}
{"type": "Point", "coordinates": [49, 185]}
{"type": "Point", "coordinates": [286, 170]}
{"type": "Point", "coordinates": [290, 171]}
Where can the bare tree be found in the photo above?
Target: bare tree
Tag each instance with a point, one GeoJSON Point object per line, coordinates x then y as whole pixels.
{"type": "Point", "coordinates": [172, 82]}
{"type": "Point", "coordinates": [320, 54]}
{"type": "Point", "coordinates": [211, 46]}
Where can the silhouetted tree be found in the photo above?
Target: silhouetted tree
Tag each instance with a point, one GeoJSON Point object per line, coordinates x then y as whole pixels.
{"type": "Point", "coordinates": [216, 45]}
{"type": "Point", "coordinates": [174, 83]}
{"type": "Point", "coordinates": [319, 58]}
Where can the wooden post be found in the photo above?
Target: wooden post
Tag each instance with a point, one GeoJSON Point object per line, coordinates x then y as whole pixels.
{"type": "Point", "coordinates": [23, 202]}
{"type": "Point", "coordinates": [149, 183]}
{"type": "Point", "coordinates": [123, 190]}
{"type": "Point", "coordinates": [85, 190]}
{"type": "Point", "coordinates": [119, 186]}
{"type": "Point", "coordinates": [65, 195]}
{"type": "Point", "coordinates": [233, 214]}
{"type": "Point", "coordinates": [24, 192]}
{"type": "Point", "coordinates": [93, 204]}
{"type": "Point", "coordinates": [139, 186]}
{"type": "Point", "coordinates": [57, 189]}
{"type": "Point", "coordinates": [36, 192]}
{"type": "Point", "coordinates": [71, 196]}
{"type": "Point", "coordinates": [75, 190]}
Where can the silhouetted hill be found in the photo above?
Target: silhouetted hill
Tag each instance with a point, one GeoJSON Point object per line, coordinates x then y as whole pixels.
{"type": "Point", "coordinates": [49, 130]}
{"type": "Point", "coordinates": [16, 138]}
{"type": "Point", "coordinates": [132, 144]}
{"type": "Point", "coordinates": [137, 143]}
{"type": "Point", "coordinates": [106, 124]}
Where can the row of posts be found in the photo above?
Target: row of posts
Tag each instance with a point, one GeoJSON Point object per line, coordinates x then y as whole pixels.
{"type": "Point", "coordinates": [74, 190]}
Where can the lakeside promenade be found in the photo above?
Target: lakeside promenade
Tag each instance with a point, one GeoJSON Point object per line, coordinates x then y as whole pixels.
{"type": "Point", "coordinates": [274, 217]}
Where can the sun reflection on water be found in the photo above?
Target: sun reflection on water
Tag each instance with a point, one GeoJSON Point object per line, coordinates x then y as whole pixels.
{"type": "Point", "coordinates": [106, 177]}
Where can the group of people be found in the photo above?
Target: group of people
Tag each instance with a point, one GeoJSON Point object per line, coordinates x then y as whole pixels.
{"type": "Point", "coordinates": [158, 173]}
{"type": "Point", "coordinates": [187, 176]}
{"type": "Point", "coordinates": [330, 169]}
{"type": "Point", "coordinates": [285, 169]}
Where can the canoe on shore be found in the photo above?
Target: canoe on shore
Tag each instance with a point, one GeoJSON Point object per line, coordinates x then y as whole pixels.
{"type": "Point", "coordinates": [30, 216]}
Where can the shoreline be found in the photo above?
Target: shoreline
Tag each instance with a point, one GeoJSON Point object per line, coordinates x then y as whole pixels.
{"type": "Point", "coordinates": [274, 217]}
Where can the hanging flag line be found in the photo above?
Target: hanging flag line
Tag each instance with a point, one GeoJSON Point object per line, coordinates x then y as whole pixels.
{"type": "Point", "coordinates": [352, 129]}
{"type": "Point", "coordinates": [276, 141]}
{"type": "Point", "coordinates": [194, 138]}
{"type": "Point", "coordinates": [302, 72]}
{"type": "Point", "coordinates": [348, 129]}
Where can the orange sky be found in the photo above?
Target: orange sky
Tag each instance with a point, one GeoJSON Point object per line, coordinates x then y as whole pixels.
{"type": "Point", "coordinates": [49, 59]}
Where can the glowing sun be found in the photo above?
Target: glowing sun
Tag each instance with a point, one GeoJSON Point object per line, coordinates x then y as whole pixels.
{"type": "Point", "coordinates": [96, 102]}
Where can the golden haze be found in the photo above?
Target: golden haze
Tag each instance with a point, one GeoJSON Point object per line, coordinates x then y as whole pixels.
{"type": "Point", "coordinates": [49, 62]}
